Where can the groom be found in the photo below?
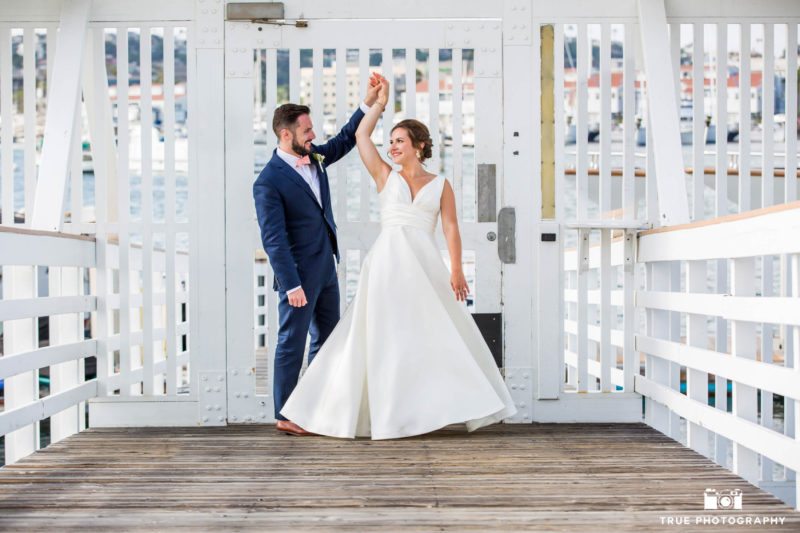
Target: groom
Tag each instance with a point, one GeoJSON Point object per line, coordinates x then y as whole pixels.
{"type": "Point", "coordinates": [293, 203]}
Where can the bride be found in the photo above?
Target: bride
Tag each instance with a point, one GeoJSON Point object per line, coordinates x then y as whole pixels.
{"type": "Point", "coordinates": [406, 358]}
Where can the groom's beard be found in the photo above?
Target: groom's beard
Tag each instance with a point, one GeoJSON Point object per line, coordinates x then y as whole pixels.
{"type": "Point", "coordinates": [299, 149]}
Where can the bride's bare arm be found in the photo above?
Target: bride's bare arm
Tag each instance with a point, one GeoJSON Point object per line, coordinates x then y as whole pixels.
{"type": "Point", "coordinates": [451, 234]}
{"type": "Point", "coordinates": [376, 166]}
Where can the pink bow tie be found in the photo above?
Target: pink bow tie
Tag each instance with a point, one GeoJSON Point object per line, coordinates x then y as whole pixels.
{"type": "Point", "coordinates": [302, 161]}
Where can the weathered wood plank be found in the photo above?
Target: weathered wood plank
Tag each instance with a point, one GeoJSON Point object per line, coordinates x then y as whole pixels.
{"type": "Point", "coordinates": [621, 477]}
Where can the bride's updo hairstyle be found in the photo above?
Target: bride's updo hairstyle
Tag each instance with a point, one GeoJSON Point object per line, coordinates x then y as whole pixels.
{"type": "Point", "coordinates": [419, 135]}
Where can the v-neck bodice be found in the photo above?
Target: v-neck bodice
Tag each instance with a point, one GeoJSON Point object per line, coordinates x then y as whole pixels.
{"type": "Point", "coordinates": [398, 208]}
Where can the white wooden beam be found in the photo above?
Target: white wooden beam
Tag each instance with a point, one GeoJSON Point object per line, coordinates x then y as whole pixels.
{"type": "Point", "coordinates": [60, 119]}
{"type": "Point", "coordinates": [663, 107]}
{"type": "Point", "coordinates": [101, 125]}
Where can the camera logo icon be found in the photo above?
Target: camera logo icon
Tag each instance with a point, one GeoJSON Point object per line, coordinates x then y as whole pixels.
{"type": "Point", "coordinates": [722, 499]}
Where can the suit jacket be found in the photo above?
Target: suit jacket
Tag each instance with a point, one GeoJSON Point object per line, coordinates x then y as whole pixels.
{"type": "Point", "coordinates": [296, 232]}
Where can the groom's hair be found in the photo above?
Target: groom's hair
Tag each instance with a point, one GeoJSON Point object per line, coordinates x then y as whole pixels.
{"type": "Point", "coordinates": [286, 117]}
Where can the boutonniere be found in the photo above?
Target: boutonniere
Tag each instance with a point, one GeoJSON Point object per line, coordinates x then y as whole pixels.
{"type": "Point", "coordinates": [319, 158]}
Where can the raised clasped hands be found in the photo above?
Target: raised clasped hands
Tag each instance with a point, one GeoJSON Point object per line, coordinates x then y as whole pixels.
{"type": "Point", "coordinates": [377, 91]}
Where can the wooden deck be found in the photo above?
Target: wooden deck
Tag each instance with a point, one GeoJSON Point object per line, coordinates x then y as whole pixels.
{"type": "Point", "coordinates": [577, 477]}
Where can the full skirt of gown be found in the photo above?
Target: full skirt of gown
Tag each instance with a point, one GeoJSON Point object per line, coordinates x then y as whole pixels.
{"type": "Point", "coordinates": [406, 357]}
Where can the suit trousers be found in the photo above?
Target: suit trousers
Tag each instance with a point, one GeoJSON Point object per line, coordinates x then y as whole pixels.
{"type": "Point", "coordinates": [318, 317]}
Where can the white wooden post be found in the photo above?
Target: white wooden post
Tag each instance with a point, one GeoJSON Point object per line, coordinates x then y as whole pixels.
{"type": "Point", "coordinates": [59, 122]}
{"type": "Point", "coordinates": [697, 381]}
{"type": "Point", "coordinates": [743, 336]}
{"type": "Point", "coordinates": [20, 336]}
{"type": "Point", "coordinates": [792, 416]}
{"type": "Point", "coordinates": [656, 368]}
{"type": "Point", "coordinates": [663, 113]}
{"type": "Point", "coordinates": [65, 329]}
{"type": "Point", "coordinates": [207, 253]}
{"type": "Point", "coordinates": [520, 156]}
{"type": "Point", "coordinates": [744, 117]}
{"type": "Point", "coordinates": [240, 266]}
{"type": "Point", "coordinates": [7, 125]}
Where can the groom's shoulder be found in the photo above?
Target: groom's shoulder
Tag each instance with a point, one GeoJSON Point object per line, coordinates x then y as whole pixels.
{"type": "Point", "coordinates": [268, 174]}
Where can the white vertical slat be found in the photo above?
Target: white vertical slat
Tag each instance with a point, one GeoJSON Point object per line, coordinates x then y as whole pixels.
{"type": "Point", "coordinates": [558, 118]}
{"type": "Point", "coordinates": [721, 113]}
{"type": "Point", "coordinates": [341, 169]}
{"type": "Point", "coordinates": [766, 399]}
{"type": "Point", "coordinates": [790, 179]}
{"type": "Point", "coordinates": [698, 121]}
{"type": "Point", "coordinates": [607, 318]}
{"type": "Point", "coordinates": [75, 161]}
{"type": "Point", "coordinates": [675, 56]}
{"type": "Point", "coordinates": [433, 95]}
{"type": "Point", "coordinates": [745, 201]}
{"type": "Point", "coordinates": [411, 83]}
{"type": "Point", "coordinates": [792, 409]}
{"type": "Point", "coordinates": [258, 83]}
{"type": "Point", "coordinates": [674, 318]}
{"type": "Point", "coordinates": [605, 122]}
{"type": "Point", "coordinates": [65, 329]}
{"type": "Point", "coordinates": [458, 120]}
{"type": "Point", "coordinates": [767, 199]}
{"type": "Point", "coordinates": [193, 304]}
{"type": "Point", "coordinates": [7, 124]}
{"type": "Point", "coordinates": [169, 208]}
{"type": "Point", "coordinates": [387, 66]}
{"type": "Point", "coordinates": [103, 284]}
{"type": "Point", "coordinates": [743, 336]}
{"type": "Point", "coordinates": [629, 123]}
{"type": "Point", "coordinates": [651, 187]}
{"type": "Point", "coordinates": [581, 129]}
{"type": "Point", "coordinates": [20, 336]}
{"type": "Point", "coordinates": [29, 110]}
{"type": "Point", "coordinates": [271, 94]}
{"type": "Point", "coordinates": [767, 114]}
{"type": "Point", "coordinates": [582, 308]}
{"type": "Point", "coordinates": [630, 356]}
{"type": "Point", "coordinates": [145, 102]}
{"type": "Point", "coordinates": [76, 168]}
{"type": "Point", "coordinates": [593, 318]}
{"type": "Point", "coordinates": [365, 182]}
{"type": "Point", "coordinates": [102, 287]}
{"type": "Point", "coordinates": [657, 369]}
{"type": "Point", "coordinates": [317, 106]}
{"type": "Point", "coordinates": [341, 120]}
{"type": "Point", "coordinates": [696, 335]}
{"type": "Point", "coordinates": [720, 209]}
{"type": "Point", "coordinates": [51, 40]}
{"type": "Point", "coordinates": [126, 320]}
{"type": "Point", "coordinates": [294, 74]}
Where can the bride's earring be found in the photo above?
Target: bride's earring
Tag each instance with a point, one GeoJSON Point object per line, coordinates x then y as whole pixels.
{"type": "Point", "coordinates": [418, 155]}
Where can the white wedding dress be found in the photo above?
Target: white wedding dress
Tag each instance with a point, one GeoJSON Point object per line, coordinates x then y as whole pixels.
{"type": "Point", "coordinates": [406, 358]}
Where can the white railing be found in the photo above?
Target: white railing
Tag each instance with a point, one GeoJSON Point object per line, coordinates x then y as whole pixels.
{"type": "Point", "coordinates": [599, 283]}
{"type": "Point", "coordinates": [66, 302]}
{"type": "Point", "coordinates": [79, 294]}
{"type": "Point", "coordinates": [747, 333]}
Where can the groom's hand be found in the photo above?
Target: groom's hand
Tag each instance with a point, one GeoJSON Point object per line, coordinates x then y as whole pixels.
{"type": "Point", "coordinates": [372, 90]}
{"type": "Point", "coordinates": [297, 298]}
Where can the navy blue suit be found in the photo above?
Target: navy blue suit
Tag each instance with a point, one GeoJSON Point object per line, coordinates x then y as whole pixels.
{"type": "Point", "coordinates": [299, 237]}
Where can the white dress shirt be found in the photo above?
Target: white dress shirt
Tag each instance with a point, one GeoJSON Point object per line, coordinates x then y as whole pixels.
{"type": "Point", "coordinates": [308, 173]}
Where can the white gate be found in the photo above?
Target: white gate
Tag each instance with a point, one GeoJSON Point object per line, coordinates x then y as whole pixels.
{"type": "Point", "coordinates": [446, 73]}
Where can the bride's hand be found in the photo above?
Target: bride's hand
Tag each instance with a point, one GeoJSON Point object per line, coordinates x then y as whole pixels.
{"type": "Point", "coordinates": [372, 91]}
{"type": "Point", "coordinates": [383, 91]}
{"type": "Point", "coordinates": [459, 285]}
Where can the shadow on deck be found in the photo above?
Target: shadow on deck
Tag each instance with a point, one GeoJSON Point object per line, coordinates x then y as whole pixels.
{"type": "Point", "coordinates": [582, 477]}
